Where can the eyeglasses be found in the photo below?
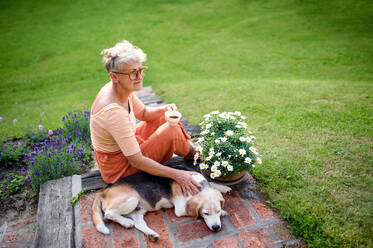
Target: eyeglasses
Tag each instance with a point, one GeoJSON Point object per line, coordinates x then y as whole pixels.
{"type": "Point", "coordinates": [133, 75]}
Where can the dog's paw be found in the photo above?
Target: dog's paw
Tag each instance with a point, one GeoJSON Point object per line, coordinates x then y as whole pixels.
{"type": "Point", "coordinates": [153, 237]}
{"type": "Point", "coordinates": [223, 213]}
{"type": "Point", "coordinates": [102, 228]}
{"type": "Point", "coordinates": [128, 223]}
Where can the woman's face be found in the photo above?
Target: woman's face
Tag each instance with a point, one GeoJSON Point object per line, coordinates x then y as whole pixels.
{"type": "Point", "coordinates": [131, 79]}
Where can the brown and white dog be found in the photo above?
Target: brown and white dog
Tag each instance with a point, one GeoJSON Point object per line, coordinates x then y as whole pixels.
{"type": "Point", "coordinates": [127, 201]}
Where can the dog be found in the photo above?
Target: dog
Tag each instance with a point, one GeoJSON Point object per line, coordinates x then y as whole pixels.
{"type": "Point", "coordinates": [128, 200]}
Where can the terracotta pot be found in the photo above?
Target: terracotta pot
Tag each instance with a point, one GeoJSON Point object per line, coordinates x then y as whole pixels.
{"type": "Point", "coordinates": [231, 179]}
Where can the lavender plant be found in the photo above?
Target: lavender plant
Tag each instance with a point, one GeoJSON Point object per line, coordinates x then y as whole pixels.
{"type": "Point", "coordinates": [76, 127]}
{"type": "Point", "coordinates": [55, 158]}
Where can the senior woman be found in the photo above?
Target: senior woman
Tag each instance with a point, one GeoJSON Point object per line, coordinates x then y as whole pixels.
{"type": "Point", "coordinates": [123, 147]}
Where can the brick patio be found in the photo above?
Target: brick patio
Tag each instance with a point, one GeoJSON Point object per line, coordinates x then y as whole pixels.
{"type": "Point", "coordinates": [249, 223]}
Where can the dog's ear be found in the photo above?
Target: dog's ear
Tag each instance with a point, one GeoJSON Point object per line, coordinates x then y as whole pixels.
{"type": "Point", "coordinates": [221, 199]}
{"type": "Point", "coordinates": [193, 206]}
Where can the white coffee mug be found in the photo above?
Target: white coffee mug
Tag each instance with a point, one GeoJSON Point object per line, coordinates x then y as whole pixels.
{"type": "Point", "coordinates": [172, 117]}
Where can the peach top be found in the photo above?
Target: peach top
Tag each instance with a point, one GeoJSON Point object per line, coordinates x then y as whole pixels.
{"type": "Point", "coordinates": [113, 128]}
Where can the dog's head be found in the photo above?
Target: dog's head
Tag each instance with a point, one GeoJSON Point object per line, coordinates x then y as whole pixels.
{"type": "Point", "coordinates": [208, 204]}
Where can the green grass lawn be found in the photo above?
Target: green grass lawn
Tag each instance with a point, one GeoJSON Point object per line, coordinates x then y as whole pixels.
{"type": "Point", "coordinates": [301, 71]}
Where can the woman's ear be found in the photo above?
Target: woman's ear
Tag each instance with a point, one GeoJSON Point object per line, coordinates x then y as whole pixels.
{"type": "Point", "coordinates": [193, 206]}
{"type": "Point", "coordinates": [113, 77]}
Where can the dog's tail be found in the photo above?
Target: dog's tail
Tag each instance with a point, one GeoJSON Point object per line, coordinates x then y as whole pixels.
{"type": "Point", "coordinates": [97, 217]}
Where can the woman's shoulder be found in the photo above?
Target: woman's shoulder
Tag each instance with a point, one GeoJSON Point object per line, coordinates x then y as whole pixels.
{"type": "Point", "coordinates": [105, 100]}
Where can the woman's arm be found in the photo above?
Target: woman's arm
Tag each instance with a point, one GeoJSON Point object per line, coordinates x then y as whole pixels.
{"type": "Point", "coordinates": [152, 113]}
{"type": "Point", "coordinates": [183, 178]}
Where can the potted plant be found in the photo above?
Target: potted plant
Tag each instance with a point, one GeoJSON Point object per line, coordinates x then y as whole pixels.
{"type": "Point", "coordinates": [227, 149]}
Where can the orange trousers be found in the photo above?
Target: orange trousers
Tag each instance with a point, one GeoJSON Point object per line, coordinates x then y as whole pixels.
{"type": "Point", "coordinates": [157, 140]}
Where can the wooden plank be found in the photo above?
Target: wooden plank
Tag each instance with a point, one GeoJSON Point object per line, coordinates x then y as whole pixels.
{"type": "Point", "coordinates": [193, 129]}
{"type": "Point", "coordinates": [93, 181]}
{"type": "Point", "coordinates": [55, 215]}
{"type": "Point", "coordinates": [152, 100]}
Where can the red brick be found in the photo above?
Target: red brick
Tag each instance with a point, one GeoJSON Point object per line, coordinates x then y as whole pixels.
{"type": "Point", "coordinates": [92, 238]}
{"type": "Point", "coordinates": [21, 223]}
{"type": "Point", "coordinates": [86, 202]}
{"type": "Point", "coordinates": [156, 222]}
{"type": "Point", "coordinates": [262, 210]}
{"type": "Point", "coordinates": [225, 242]}
{"type": "Point", "coordinates": [172, 217]}
{"type": "Point", "coordinates": [19, 235]}
{"type": "Point", "coordinates": [32, 237]}
{"type": "Point", "coordinates": [255, 238]}
{"type": "Point", "coordinates": [282, 231]}
{"type": "Point", "coordinates": [123, 237]}
{"type": "Point", "coordinates": [237, 211]}
{"type": "Point", "coordinates": [192, 231]}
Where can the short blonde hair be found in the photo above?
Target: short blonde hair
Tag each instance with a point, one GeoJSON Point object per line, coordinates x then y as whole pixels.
{"type": "Point", "coordinates": [122, 53]}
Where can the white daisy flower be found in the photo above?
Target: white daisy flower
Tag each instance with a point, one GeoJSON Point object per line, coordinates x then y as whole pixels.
{"type": "Point", "coordinates": [213, 133]}
{"type": "Point", "coordinates": [211, 153]}
{"type": "Point", "coordinates": [232, 117]}
{"type": "Point", "coordinates": [223, 139]}
{"type": "Point", "coordinates": [212, 175]}
{"type": "Point", "coordinates": [229, 133]}
{"type": "Point", "coordinates": [217, 173]}
{"type": "Point", "coordinates": [214, 168]}
{"type": "Point", "coordinates": [243, 117]}
{"type": "Point", "coordinates": [218, 154]}
{"type": "Point", "coordinates": [208, 158]}
{"type": "Point", "coordinates": [217, 141]}
{"type": "Point", "coordinates": [208, 126]}
{"type": "Point", "coordinates": [211, 149]}
{"type": "Point", "coordinates": [224, 163]}
{"type": "Point", "coordinates": [252, 137]}
{"type": "Point", "coordinates": [248, 140]}
{"type": "Point", "coordinates": [253, 165]}
{"type": "Point", "coordinates": [230, 168]}
{"type": "Point", "coordinates": [259, 160]}
{"type": "Point", "coordinates": [217, 163]}
{"type": "Point", "coordinates": [242, 139]}
{"type": "Point", "coordinates": [242, 151]}
{"type": "Point", "coordinates": [196, 156]}
{"type": "Point", "coordinates": [248, 160]}
{"type": "Point", "coordinates": [215, 112]}
{"type": "Point", "coordinates": [202, 166]}
{"type": "Point", "coordinates": [207, 116]}
{"type": "Point", "coordinates": [253, 149]}
{"type": "Point", "coordinates": [201, 139]}
{"type": "Point", "coordinates": [237, 113]}
{"type": "Point", "coordinates": [229, 156]}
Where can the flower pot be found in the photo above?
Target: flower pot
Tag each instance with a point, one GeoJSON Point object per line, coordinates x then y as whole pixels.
{"type": "Point", "coordinates": [231, 179]}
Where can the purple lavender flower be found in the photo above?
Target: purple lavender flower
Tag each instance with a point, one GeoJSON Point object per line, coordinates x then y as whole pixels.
{"type": "Point", "coordinates": [23, 169]}
{"type": "Point", "coordinates": [63, 118]}
{"type": "Point", "coordinates": [27, 156]}
{"type": "Point", "coordinates": [32, 162]}
{"type": "Point", "coordinates": [1, 119]}
{"type": "Point", "coordinates": [41, 128]}
{"type": "Point", "coordinates": [14, 121]}
{"type": "Point", "coordinates": [50, 132]}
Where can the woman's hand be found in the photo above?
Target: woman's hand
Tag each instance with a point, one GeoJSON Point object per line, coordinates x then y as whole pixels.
{"type": "Point", "coordinates": [171, 107]}
{"type": "Point", "coordinates": [187, 183]}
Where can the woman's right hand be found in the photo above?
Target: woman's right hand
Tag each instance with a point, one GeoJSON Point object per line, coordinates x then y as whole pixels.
{"type": "Point", "coordinates": [187, 183]}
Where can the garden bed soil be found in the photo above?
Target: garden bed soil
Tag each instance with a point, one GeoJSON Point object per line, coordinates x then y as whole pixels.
{"type": "Point", "coordinates": [16, 206]}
